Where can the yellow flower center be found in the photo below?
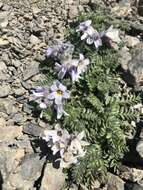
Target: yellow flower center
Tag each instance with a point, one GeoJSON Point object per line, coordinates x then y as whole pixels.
{"type": "Point", "coordinates": [59, 93]}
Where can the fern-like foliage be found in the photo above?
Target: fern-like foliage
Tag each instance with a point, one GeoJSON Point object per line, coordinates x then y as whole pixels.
{"type": "Point", "coordinates": [99, 105]}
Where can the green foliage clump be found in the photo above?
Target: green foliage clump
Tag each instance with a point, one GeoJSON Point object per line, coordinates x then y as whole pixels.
{"type": "Point", "coordinates": [99, 105]}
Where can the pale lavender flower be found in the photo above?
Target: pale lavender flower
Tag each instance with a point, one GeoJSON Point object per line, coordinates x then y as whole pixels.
{"type": "Point", "coordinates": [57, 139]}
{"type": "Point", "coordinates": [77, 143]}
{"type": "Point", "coordinates": [50, 52]}
{"type": "Point", "coordinates": [70, 147]}
{"type": "Point", "coordinates": [66, 67]}
{"type": "Point", "coordinates": [74, 150]}
{"type": "Point", "coordinates": [73, 67]}
{"type": "Point", "coordinates": [82, 64]}
{"type": "Point", "coordinates": [60, 51]}
{"type": "Point", "coordinates": [58, 93]}
{"type": "Point", "coordinates": [60, 111]}
{"type": "Point", "coordinates": [40, 95]}
{"type": "Point", "coordinates": [89, 34]}
{"type": "Point", "coordinates": [84, 26]}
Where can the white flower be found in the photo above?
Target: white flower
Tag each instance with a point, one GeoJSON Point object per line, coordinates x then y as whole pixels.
{"type": "Point", "coordinates": [60, 111]}
{"type": "Point", "coordinates": [66, 67]}
{"type": "Point", "coordinates": [40, 95]}
{"type": "Point", "coordinates": [60, 51]}
{"type": "Point", "coordinates": [58, 93]}
{"type": "Point", "coordinates": [90, 34]}
{"type": "Point", "coordinates": [70, 147]}
{"type": "Point", "coordinates": [84, 26]}
{"type": "Point", "coordinates": [82, 64]}
{"type": "Point", "coordinates": [73, 67]}
{"type": "Point", "coordinates": [57, 139]}
{"type": "Point", "coordinates": [77, 144]}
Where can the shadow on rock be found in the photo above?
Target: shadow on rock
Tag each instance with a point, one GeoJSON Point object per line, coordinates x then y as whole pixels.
{"type": "Point", "coordinates": [39, 145]}
{"type": "Point", "coordinates": [1, 181]}
{"type": "Point", "coordinates": [133, 157]}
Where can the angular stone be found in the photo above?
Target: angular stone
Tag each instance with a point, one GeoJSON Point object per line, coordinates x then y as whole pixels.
{"type": "Point", "coordinates": [131, 174]}
{"type": "Point", "coordinates": [9, 160]}
{"type": "Point", "coordinates": [53, 179]}
{"type": "Point", "coordinates": [140, 7]}
{"type": "Point", "coordinates": [7, 106]}
{"type": "Point", "coordinates": [3, 66]}
{"type": "Point", "coordinates": [3, 19]}
{"type": "Point", "coordinates": [3, 42]}
{"type": "Point", "coordinates": [114, 182]}
{"type": "Point", "coordinates": [4, 91]}
{"type": "Point", "coordinates": [31, 167]}
{"type": "Point", "coordinates": [131, 41]}
{"type": "Point", "coordinates": [2, 122]}
{"type": "Point", "coordinates": [10, 132]}
{"type": "Point", "coordinates": [133, 67]}
{"type": "Point", "coordinates": [34, 40]}
{"type": "Point", "coordinates": [32, 70]}
{"type": "Point", "coordinates": [32, 129]}
{"type": "Point", "coordinates": [139, 148]}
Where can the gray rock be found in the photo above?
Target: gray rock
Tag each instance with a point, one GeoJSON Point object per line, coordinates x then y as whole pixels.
{"type": "Point", "coordinates": [9, 160]}
{"type": "Point", "coordinates": [32, 129]}
{"type": "Point", "coordinates": [3, 42]}
{"type": "Point", "coordinates": [4, 76]}
{"type": "Point", "coordinates": [26, 85]}
{"type": "Point", "coordinates": [124, 57]}
{"type": "Point", "coordinates": [10, 132]}
{"type": "Point", "coordinates": [34, 40]}
{"type": "Point", "coordinates": [4, 91]}
{"type": "Point", "coordinates": [114, 182]}
{"type": "Point", "coordinates": [85, 2]}
{"type": "Point", "coordinates": [133, 186]}
{"type": "Point", "coordinates": [140, 7]}
{"type": "Point", "coordinates": [31, 70]}
{"type": "Point", "coordinates": [139, 148]}
{"type": "Point", "coordinates": [3, 19]}
{"type": "Point", "coordinates": [3, 66]}
{"type": "Point", "coordinates": [16, 63]}
{"type": "Point", "coordinates": [7, 106]}
{"type": "Point", "coordinates": [31, 167]}
{"type": "Point", "coordinates": [73, 11]}
{"type": "Point", "coordinates": [19, 91]}
{"type": "Point", "coordinates": [133, 67]}
{"type": "Point", "coordinates": [27, 109]}
{"type": "Point", "coordinates": [131, 41]}
{"type": "Point", "coordinates": [131, 174]}
{"type": "Point", "coordinates": [18, 119]}
{"type": "Point", "coordinates": [53, 179]}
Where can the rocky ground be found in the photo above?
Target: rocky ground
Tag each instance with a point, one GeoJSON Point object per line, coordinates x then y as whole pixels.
{"type": "Point", "coordinates": [27, 28]}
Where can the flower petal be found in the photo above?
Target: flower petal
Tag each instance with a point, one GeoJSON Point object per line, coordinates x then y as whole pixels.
{"type": "Point", "coordinates": [81, 56]}
{"type": "Point", "coordinates": [58, 99]}
{"type": "Point", "coordinates": [57, 66]}
{"type": "Point", "coordinates": [52, 96]}
{"type": "Point", "coordinates": [84, 36]}
{"type": "Point", "coordinates": [55, 149]}
{"type": "Point", "coordinates": [74, 75]}
{"type": "Point", "coordinates": [66, 95]}
{"type": "Point", "coordinates": [54, 87]}
{"type": "Point", "coordinates": [49, 51]}
{"type": "Point", "coordinates": [62, 72]}
{"type": "Point", "coordinates": [42, 105]}
{"type": "Point", "coordinates": [89, 40]}
{"type": "Point", "coordinates": [62, 87]}
{"type": "Point", "coordinates": [81, 135]}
